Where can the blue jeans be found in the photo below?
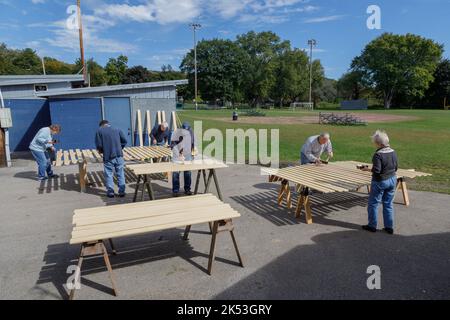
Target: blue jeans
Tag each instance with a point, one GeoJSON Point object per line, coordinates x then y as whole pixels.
{"type": "Point", "coordinates": [382, 192]}
{"type": "Point", "coordinates": [116, 165]}
{"type": "Point", "coordinates": [304, 160]}
{"type": "Point", "coordinates": [43, 162]}
{"type": "Point", "coordinates": [176, 181]}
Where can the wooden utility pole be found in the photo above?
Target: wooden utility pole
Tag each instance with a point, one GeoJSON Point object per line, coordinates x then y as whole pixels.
{"type": "Point", "coordinates": [80, 31]}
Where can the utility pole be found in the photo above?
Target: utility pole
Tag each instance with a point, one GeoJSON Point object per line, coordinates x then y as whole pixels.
{"type": "Point", "coordinates": [312, 43]}
{"type": "Point", "coordinates": [195, 27]}
{"type": "Point", "coordinates": [43, 66]}
{"type": "Point", "coordinates": [80, 32]}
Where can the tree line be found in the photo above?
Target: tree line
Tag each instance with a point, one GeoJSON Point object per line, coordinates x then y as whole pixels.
{"type": "Point", "coordinates": [116, 71]}
{"type": "Point", "coordinates": [400, 70]}
{"type": "Point", "coordinates": [256, 68]}
{"type": "Point", "coordinates": [259, 68]}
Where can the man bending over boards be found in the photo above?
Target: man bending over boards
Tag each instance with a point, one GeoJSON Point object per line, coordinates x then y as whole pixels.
{"type": "Point", "coordinates": [314, 147]}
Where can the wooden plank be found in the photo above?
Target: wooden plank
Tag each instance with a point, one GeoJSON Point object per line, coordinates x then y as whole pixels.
{"type": "Point", "coordinates": [164, 167]}
{"type": "Point", "coordinates": [140, 212]}
{"type": "Point", "coordinates": [159, 117]}
{"type": "Point", "coordinates": [66, 158]}
{"type": "Point", "coordinates": [174, 121]}
{"type": "Point", "coordinates": [59, 156]}
{"type": "Point", "coordinates": [79, 155]}
{"type": "Point", "coordinates": [148, 226]}
{"type": "Point", "coordinates": [163, 116]}
{"type": "Point", "coordinates": [139, 128]}
{"type": "Point", "coordinates": [150, 205]}
{"type": "Point", "coordinates": [149, 126]}
{"type": "Point", "coordinates": [105, 225]}
{"type": "Point", "coordinates": [73, 157]}
{"type": "Point", "coordinates": [97, 155]}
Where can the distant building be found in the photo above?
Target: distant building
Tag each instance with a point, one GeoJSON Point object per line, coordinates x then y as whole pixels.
{"type": "Point", "coordinates": [29, 86]}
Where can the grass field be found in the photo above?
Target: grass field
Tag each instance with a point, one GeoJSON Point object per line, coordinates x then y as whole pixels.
{"type": "Point", "coordinates": [422, 143]}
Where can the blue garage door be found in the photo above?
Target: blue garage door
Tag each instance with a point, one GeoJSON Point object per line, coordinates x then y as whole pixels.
{"type": "Point", "coordinates": [118, 112]}
{"type": "Point", "coordinates": [79, 119]}
{"type": "Point", "coordinates": [29, 116]}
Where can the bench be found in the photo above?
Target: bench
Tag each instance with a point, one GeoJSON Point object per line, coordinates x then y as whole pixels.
{"type": "Point", "coordinates": [92, 227]}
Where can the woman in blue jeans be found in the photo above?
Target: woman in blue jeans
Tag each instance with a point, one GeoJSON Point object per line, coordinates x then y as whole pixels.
{"type": "Point", "coordinates": [384, 183]}
{"type": "Point", "coordinates": [40, 147]}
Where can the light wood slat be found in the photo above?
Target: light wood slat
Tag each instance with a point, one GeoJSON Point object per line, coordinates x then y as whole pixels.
{"type": "Point", "coordinates": [92, 157]}
{"type": "Point", "coordinates": [329, 172]}
{"type": "Point", "coordinates": [66, 158]}
{"type": "Point", "coordinates": [312, 182]}
{"type": "Point", "coordinates": [97, 155]}
{"type": "Point", "coordinates": [86, 156]}
{"type": "Point", "coordinates": [401, 173]}
{"type": "Point", "coordinates": [140, 211]}
{"type": "Point", "coordinates": [141, 152]}
{"type": "Point", "coordinates": [73, 157]}
{"type": "Point", "coordinates": [164, 167]}
{"type": "Point", "coordinates": [143, 228]}
{"type": "Point", "coordinates": [79, 155]}
{"type": "Point", "coordinates": [158, 218]}
{"type": "Point", "coordinates": [136, 155]}
{"type": "Point", "coordinates": [126, 155]}
{"type": "Point", "coordinates": [59, 156]}
{"type": "Point", "coordinates": [149, 205]}
{"type": "Point", "coordinates": [304, 181]}
{"type": "Point", "coordinates": [167, 214]}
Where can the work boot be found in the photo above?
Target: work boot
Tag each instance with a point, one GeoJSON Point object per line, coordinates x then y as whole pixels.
{"type": "Point", "coordinates": [389, 231]}
{"type": "Point", "coordinates": [369, 228]}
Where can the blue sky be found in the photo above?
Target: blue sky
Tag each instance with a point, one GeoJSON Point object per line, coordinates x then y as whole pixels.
{"type": "Point", "coordinates": [155, 32]}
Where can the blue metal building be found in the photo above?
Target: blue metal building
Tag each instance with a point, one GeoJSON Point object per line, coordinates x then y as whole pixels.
{"type": "Point", "coordinates": [79, 110]}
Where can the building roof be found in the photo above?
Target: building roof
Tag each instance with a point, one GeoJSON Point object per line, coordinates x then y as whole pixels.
{"type": "Point", "coordinates": [14, 80]}
{"type": "Point", "coordinates": [78, 91]}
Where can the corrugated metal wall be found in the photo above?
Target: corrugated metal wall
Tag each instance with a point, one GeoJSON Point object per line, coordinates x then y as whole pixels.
{"type": "Point", "coordinates": [29, 116]}
{"type": "Point", "coordinates": [79, 119]}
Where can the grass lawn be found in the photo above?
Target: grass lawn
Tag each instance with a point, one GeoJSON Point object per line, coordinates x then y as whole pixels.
{"type": "Point", "coordinates": [422, 143]}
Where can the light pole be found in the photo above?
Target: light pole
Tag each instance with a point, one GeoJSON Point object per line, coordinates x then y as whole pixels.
{"type": "Point", "coordinates": [195, 27]}
{"type": "Point", "coordinates": [312, 43]}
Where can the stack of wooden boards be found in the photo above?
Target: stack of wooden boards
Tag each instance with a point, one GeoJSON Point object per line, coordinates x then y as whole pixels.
{"type": "Point", "coordinates": [94, 226]}
{"type": "Point", "coordinates": [341, 119]}
{"type": "Point", "coordinates": [334, 177]}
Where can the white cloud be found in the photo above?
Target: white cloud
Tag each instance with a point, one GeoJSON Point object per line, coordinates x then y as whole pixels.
{"type": "Point", "coordinates": [160, 11]}
{"type": "Point", "coordinates": [68, 39]}
{"type": "Point", "coordinates": [38, 1]}
{"type": "Point", "coordinates": [324, 19]}
{"type": "Point", "coordinates": [175, 11]}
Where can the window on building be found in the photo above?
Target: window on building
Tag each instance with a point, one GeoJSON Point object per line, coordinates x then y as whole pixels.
{"type": "Point", "coordinates": [40, 87]}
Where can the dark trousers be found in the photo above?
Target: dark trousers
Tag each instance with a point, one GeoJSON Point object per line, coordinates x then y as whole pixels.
{"type": "Point", "coordinates": [176, 181]}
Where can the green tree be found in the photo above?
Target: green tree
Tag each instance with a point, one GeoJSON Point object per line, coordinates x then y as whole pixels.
{"type": "Point", "coordinates": [399, 64]}
{"type": "Point", "coordinates": [116, 69]}
{"type": "Point", "coordinates": [291, 76]}
{"type": "Point", "coordinates": [221, 69]}
{"type": "Point", "coordinates": [350, 85]}
{"type": "Point", "coordinates": [262, 50]}
{"type": "Point", "coordinates": [327, 91]}
{"type": "Point", "coordinates": [54, 66]}
{"type": "Point", "coordinates": [439, 90]}
{"type": "Point", "coordinates": [138, 74]}
{"type": "Point", "coordinates": [96, 73]}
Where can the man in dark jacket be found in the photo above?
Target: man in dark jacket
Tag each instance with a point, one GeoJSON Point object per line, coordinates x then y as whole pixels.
{"type": "Point", "coordinates": [110, 142]}
{"type": "Point", "coordinates": [160, 135]}
{"type": "Point", "coordinates": [384, 183]}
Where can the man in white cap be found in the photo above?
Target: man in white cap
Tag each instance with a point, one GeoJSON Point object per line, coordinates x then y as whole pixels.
{"type": "Point", "coordinates": [160, 135]}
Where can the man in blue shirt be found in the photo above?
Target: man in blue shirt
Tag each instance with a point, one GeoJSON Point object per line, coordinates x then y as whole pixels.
{"type": "Point", "coordinates": [40, 148]}
{"type": "Point", "coordinates": [110, 142]}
